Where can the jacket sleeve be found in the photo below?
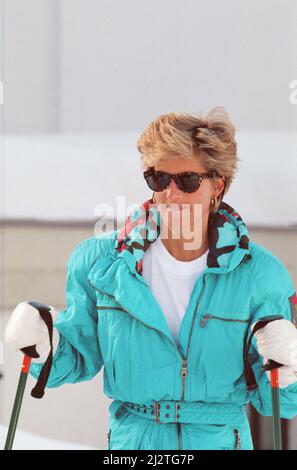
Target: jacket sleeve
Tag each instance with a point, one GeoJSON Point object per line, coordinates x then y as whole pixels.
{"type": "Point", "coordinates": [276, 297]}
{"type": "Point", "coordinates": [78, 356]}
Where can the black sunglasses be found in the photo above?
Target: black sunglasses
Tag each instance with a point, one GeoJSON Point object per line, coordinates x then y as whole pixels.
{"type": "Point", "coordinates": [188, 181]}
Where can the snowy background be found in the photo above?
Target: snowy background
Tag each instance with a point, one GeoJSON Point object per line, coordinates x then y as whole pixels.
{"type": "Point", "coordinates": [28, 441]}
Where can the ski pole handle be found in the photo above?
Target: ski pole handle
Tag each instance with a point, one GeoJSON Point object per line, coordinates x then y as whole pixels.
{"type": "Point", "coordinates": [274, 378]}
{"type": "Point", "coordinates": [26, 364]}
{"type": "Point", "coordinates": [271, 365]}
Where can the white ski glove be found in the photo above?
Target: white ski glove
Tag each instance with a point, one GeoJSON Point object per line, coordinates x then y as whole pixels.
{"type": "Point", "coordinates": [278, 341]}
{"type": "Point", "coordinates": [26, 328]}
{"type": "Point", "coordinates": [287, 375]}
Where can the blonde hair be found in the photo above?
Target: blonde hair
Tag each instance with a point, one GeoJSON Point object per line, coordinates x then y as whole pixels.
{"type": "Point", "coordinates": [175, 135]}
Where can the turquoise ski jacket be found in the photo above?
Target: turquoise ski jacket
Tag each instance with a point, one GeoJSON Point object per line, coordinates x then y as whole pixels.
{"type": "Point", "coordinates": [167, 396]}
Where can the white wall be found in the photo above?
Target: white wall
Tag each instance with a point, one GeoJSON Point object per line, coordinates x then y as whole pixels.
{"type": "Point", "coordinates": [30, 55]}
{"type": "Point", "coordinates": [122, 63]}
{"type": "Point", "coordinates": [93, 66]}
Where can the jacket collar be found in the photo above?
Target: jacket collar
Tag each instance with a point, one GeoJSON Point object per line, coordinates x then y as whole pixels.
{"type": "Point", "coordinates": [228, 238]}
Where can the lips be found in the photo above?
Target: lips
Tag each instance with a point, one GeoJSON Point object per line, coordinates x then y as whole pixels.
{"type": "Point", "coordinates": [178, 207]}
{"type": "Point", "coordinates": [173, 205]}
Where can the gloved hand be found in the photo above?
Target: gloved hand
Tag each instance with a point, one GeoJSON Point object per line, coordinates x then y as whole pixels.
{"type": "Point", "coordinates": [278, 341]}
{"type": "Point", "coordinates": [26, 328]}
{"type": "Point", "coordinates": [287, 375]}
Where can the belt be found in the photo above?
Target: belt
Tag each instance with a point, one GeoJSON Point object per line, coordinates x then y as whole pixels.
{"type": "Point", "coordinates": [171, 411]}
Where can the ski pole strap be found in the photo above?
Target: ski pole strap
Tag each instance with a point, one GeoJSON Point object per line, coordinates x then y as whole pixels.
{"type": "Point", "coordinates": [248, 370]}
{"type": "Point", "coordinates": [44, 312]}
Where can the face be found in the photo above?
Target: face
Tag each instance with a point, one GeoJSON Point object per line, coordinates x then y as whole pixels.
{"type": "Point", "coordinates": [173, 196]}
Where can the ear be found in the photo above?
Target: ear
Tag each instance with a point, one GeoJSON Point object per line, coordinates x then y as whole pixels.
{"type": "Point", "coordinates": [219, 185]}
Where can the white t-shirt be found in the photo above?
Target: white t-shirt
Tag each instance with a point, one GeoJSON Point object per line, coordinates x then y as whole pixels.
{"type": "Point", "coordinates": [171, 281]}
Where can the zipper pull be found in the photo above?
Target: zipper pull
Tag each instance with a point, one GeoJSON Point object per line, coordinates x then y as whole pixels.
{"type": "Point", "coordinates": [184, 369]}
{"type": "Point", "coordinates": [204, 320]}
{"type": "Point", "coordinates": [237, 439]}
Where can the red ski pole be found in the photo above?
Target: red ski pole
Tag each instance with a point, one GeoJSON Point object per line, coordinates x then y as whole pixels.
{"type": "Point", "coordinates": [273, 366]}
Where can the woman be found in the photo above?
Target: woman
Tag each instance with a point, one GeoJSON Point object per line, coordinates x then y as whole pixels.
{"type": "Point", "coordinates": [169, 314]}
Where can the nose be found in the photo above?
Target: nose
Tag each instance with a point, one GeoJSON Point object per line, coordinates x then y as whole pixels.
{"type": "Point", "coordinates": [173, 193]}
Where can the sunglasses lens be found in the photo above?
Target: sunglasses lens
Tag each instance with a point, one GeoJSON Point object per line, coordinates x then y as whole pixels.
{"type": "Point", "coordinates": [150, 181]}
{"type": "Point", "coordinates": [157, 181]}
{"type": "Point", "coordinates": [189, 182]}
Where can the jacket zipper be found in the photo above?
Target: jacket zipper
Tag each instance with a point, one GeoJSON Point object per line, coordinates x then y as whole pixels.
{"type": "Point", "coordinates": [108, 437]}
{"type": "Point", "coordinates": [237, 439]}
{"type": "Point", "coordinates": [184, 368]}
{"type": "Point", "coordinates": [184, 371]}
{"type": "Point", "coordinates": [207, 317]}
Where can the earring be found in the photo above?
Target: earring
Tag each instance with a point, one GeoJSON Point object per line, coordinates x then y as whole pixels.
{"type": "Point", "coordinates": [213, 204]}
